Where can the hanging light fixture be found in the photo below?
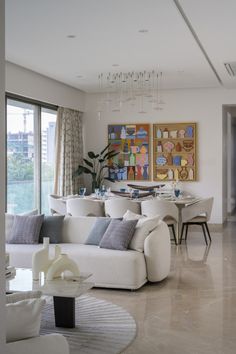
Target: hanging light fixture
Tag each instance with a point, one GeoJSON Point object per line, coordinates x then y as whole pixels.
{"type": "Point", "coordinates": [125, 88]}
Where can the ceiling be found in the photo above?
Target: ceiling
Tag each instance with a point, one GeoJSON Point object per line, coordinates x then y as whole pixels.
{"type": "Point", "coordinates": [107, 32]}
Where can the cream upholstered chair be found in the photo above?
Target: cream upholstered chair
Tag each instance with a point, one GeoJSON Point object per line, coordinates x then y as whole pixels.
{"type": "Point", "coordinates": [197, 214]}
{"type": "Point", "coordinates": [168, 212]}
{"type": "Point", "coordinates": [117, 207]}
{"type": "Point", "coordinates": [84, 207]}
{"type": "Point", "coordinates": [56, 204]}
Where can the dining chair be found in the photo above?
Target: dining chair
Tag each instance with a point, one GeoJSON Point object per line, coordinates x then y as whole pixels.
{"type": "Point", "coordinates": [197, 214]}
{"type": "Point", "coordinates": [117, 207]}
{"type": "Point", "coordinates": [56, 204]}
{"type": "Point", "coordinates": [84, 207]}
{"type": "Point", "coordinates": [167, 211]}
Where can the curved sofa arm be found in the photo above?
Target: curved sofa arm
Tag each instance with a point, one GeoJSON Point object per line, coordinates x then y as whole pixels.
{"type": "Point", "coordinates": [50, 343]}
{"type": "Point", "coordinates": [157, 253]}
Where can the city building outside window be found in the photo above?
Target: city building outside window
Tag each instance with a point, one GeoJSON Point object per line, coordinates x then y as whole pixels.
{"type": "Point", "coordinates": [30, 155]}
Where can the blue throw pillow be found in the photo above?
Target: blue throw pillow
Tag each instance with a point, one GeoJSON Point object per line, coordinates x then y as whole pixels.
{"type": "Point", "coordinates": [52, 228]}
{"type": "Point", "coordinates": [97, 231]}
{"type": "Point", "coordinates": [118, 234]}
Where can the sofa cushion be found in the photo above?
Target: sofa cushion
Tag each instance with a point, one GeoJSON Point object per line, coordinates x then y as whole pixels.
{"type": "Point", "coordinates": [26, 229]}
{"type": "Point", "coordinates": [23, 319]}
{"type": "Point", "coordinates": [9, 220]}
{"type": "Point", "coordinates": [52, 227]}
{"type": "Point", "coordinates": [98, 230]}
{"type": "Point", "coordinates": [118, 234]}
{"type": "Point", "coordinates": [22, 295]}
{"type": "Point", "coordinates": [144, 226]}
{"type": "Point", "coordinates": [77, 228]}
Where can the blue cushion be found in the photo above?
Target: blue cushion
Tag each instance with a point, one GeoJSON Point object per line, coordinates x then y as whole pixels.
{"type": "Point", "coordinates": [97, 231]}
{"type": "Point", "coordinates": [118, 234]}
{"type": "Point", "coordinates": [52, 228]}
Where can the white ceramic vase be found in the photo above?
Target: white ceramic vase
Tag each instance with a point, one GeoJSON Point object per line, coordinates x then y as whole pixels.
{"type": "Point", "coordinates": [41, 261]}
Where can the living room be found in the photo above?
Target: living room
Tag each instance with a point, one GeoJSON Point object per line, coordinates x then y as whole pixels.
{"type": "Point", "coordinates": [55, 55]}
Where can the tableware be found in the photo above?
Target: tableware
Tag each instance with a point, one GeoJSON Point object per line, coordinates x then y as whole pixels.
{"type": "Point", "coordinates": [135, 193]}
{"type": "Point", "coordinates": [97, 192]}
{"type": "Point", "coordinates": [82, 191]}
{"type": "Point", "coordinates": [177, 192]}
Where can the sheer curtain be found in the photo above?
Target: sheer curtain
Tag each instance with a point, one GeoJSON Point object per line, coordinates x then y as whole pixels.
{"type": "Point", "coordinates": [69, 151]}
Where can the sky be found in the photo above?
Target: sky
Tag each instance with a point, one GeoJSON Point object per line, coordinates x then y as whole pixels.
{"type": "Point", "coordinates": [15, 119]}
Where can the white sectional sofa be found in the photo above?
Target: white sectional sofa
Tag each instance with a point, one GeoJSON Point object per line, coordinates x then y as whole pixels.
{"type": "Point", "coordinates": [50, 343]}
{"type": "Point", "coordinates": [110, 268]}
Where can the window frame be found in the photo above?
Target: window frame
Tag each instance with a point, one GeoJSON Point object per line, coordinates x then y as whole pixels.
{"type": "Point", "coordinates": [37, 141]}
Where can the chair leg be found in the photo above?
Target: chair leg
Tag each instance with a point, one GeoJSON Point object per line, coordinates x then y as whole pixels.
{"type": "Point", "coordinates": [173, 230]}
{"type": "Point", "coordinates": [186, 232]}
{"type": "Point", "coordinates": [204, 233]}
{"type": "Point", "coordinates": [182, 231]}
{"type": "Point", "coordinates": [208, 232]}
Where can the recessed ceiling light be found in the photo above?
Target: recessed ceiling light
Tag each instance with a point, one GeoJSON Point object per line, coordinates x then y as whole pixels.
{"type": "Point", "coordinates": [115, 65]}
{"type": "Point", "coordinates": [79, 76]}
{"type": "Point", "coordinates": [144, 30]}
{"type": "Point", "coordinates": [71, 36]}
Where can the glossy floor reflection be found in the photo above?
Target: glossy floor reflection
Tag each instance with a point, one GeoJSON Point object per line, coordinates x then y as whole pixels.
{"type": "Point", "coordinates": [194, 310]}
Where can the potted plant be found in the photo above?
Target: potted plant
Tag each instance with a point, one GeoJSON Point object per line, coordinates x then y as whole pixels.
{"type": "Point", "coordinates": [97, 165]}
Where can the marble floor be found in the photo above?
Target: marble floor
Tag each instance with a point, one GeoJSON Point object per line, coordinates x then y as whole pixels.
{"type": "Point", "coordinates": [194, 310]}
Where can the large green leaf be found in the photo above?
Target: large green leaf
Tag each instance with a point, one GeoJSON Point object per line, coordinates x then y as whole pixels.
{"type": "Point", "coordinates": [88, 163]}
{"type": "Point", "coordinates": [91, 155]}
{"type": "Point", "coordinates": [102, 152]}
{"type": "Point", "coordinates": [112, 155]}
{"type": "Point", "coordinates": [86, 170]}
{"type": "Point", "coordinates": [79, 171]}
{"type": "Point", "coordinates": [106, 156]}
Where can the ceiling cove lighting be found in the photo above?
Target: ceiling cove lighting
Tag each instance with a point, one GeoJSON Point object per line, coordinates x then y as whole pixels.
{"type": "Point", "coordinates": [142, 89]}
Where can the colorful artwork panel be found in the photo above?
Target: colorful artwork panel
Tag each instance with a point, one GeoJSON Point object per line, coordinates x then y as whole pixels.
{"type": "Point", "coordinates": [174, 149]}
{"type": "Point", "coordinates": [133, 143]}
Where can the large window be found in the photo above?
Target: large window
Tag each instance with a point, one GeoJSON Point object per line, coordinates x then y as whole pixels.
{"type": "Point", "coordinates": [30, 155]}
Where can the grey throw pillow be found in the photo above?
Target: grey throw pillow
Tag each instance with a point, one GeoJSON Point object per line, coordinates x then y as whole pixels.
{"type": "Point", "coordinates": [97, 231]}
{"type": "Point", "coordinates": [52, 228]}
{"type": "Point", "coordinates": [118, 234]}
{"type": "Point", "coordinates": [26, 229]}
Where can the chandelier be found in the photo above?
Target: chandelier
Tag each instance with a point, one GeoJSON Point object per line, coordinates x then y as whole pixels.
{"type": "Point", "coordinates": [135, 88]}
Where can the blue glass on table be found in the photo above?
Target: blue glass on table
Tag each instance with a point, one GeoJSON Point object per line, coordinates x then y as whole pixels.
{"type": "Point", "coordinates": [82, 191]}
{"type": "Point", "coordinates": [135, 193]}
{"type": "Point", "coordinates": [103, 191]}
{"type": "Point", "coordinates": [177, 193]}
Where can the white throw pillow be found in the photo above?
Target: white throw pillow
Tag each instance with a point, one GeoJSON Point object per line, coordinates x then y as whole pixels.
{"type": "Point", "coordinates": [129, 215]}
{"type": "Point", "coordinates": [23, 319]}
{"type": "Point", "coordinates": [9, 221]}
{"type": "Point", "coordinates": [144, 226]}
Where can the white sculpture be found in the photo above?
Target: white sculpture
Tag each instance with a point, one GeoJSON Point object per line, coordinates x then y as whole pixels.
{"type": "Point", "coordinates": [54, 267]}
{"type": "Point", "coordinates": [60, 265]}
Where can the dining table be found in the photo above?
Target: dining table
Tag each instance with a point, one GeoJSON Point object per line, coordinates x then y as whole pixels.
{"type": "Point", "coordinates": [181, 202]}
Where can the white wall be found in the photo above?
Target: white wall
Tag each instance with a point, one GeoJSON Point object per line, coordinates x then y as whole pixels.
{"type": "Point", "coordinates": [203, 106]}
{"type": "Point", "coordinates": [2, 177]}
{"type": "Point", "coordinates": [29, 84]}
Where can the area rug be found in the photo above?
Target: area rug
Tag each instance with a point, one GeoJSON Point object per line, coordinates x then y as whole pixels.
{"type": "Point", "coordinates": [101, 327]}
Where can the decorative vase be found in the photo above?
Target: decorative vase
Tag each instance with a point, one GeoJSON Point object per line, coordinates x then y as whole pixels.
{"type": "Point", "coordinates": [41, 261]}
{"type": "Point", "coordinates": [60, 265]}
